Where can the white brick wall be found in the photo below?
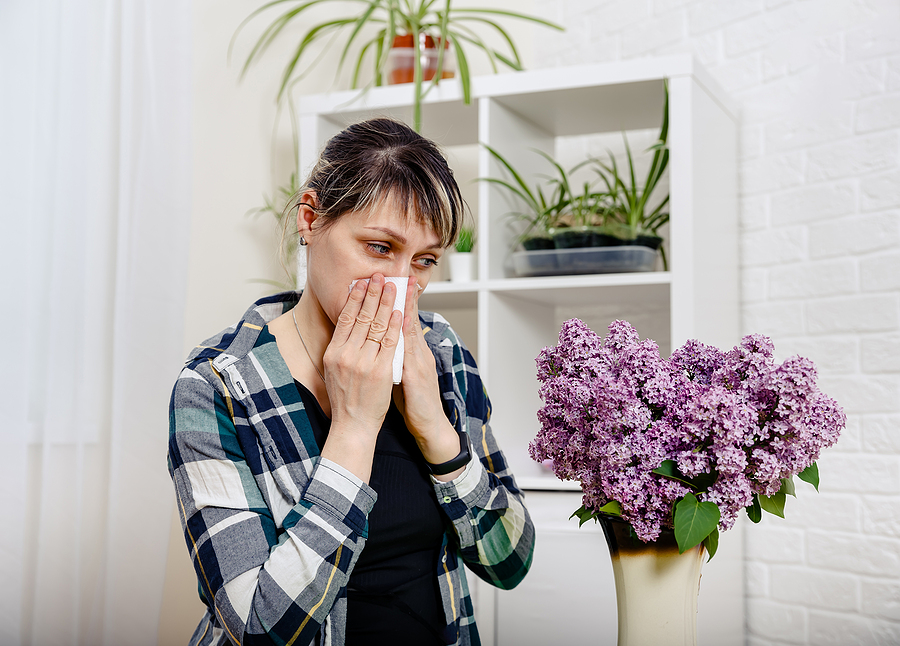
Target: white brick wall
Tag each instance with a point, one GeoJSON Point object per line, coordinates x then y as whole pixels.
{"type": "Point", "coordinates": [818, 85]}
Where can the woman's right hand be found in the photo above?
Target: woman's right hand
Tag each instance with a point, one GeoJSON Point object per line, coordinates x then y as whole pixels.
{"type": "Point", "coordinates": [358, 373]}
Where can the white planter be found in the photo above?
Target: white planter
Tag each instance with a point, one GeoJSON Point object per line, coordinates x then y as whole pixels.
{"type": "Point", "coordinates": [462, 267]}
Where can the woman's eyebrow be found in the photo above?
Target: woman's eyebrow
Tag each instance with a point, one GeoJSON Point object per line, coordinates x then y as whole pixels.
{"type": "Point", "coordinates": [399, 237]}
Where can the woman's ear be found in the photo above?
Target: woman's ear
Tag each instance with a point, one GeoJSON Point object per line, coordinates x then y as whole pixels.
{"type": "Point", "coordinates": [306, 214]}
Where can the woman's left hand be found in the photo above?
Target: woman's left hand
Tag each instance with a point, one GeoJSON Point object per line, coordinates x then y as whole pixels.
{"type": "Point", "coordinates": [418, 397]}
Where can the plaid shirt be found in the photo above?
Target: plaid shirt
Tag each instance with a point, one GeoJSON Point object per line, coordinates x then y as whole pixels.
{"type": "Point", "coordinates": [274, 530]}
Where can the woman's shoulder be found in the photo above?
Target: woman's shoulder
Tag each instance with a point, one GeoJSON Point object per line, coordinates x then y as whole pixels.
{"type": "Point", "coordinates": [438, 331]}
{"type": "Point", "coordinates": [236, 341]}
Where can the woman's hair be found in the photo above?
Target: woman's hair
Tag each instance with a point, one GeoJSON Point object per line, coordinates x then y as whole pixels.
{"type": "Point", "coordinates": [382, 159]}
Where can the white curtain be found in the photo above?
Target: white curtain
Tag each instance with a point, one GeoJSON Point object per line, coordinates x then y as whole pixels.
{"type": "Point", "coordinates": [95, 200]}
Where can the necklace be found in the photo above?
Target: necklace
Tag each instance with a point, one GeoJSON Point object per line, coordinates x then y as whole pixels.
{"type": "Point", "coordinates": [297, 327]}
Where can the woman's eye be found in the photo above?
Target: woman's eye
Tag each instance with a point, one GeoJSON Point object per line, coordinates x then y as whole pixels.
{"type": "Point", "coordinates": [428, 262]}
{"type": "Point", "coordinates": [379, 248]}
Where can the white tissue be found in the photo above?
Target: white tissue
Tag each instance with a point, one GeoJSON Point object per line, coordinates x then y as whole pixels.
{"type": "Point", "coordinates": [399, 304]}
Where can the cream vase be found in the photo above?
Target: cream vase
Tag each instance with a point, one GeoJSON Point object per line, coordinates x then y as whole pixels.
{"type": "Point", "coordinates": [656, 587]}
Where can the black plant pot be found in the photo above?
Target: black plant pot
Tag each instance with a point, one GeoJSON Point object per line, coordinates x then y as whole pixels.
{"type": "Point", "coordinates": [537, 243]}
{"type": "Point", "coordinates": [573, 238]}
{"type": "Point", "coordinates": [606, 240]}
{"type": "Point", "coordinates": [651, 241]}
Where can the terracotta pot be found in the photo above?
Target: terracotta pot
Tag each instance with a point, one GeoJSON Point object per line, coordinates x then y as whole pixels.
{"type": "Point", "coordinates": [401, 59]}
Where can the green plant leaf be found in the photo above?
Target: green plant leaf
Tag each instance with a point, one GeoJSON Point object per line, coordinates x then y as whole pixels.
{"type": "Point", "coordinates": [787, 487]}
{"type": "Point", "coordinates": [531, 199]}
{"type": "Point", "coordinates": [493, 180]}
{"type": "Point", "coordinates": [754, 511]}
{"type": "Point", "coordinates": [517, 61]}
{"type": "Point", "coordinates": [358, 26]}
{"type": "Point", "coordinates": [357, 68]}
{"type": "Point", "coordinates": [773, 504]}
{"type": "Point", "coordinates": [509, 14]}
{"type": "Point", "coordinates": [465, 242]}
{"type": "Point", "coordinates": [612, 507]}
{"type": "Point", "coordinates": [465, 79]}
{"type": "Point", "coordinates": [669, 469]}
{"type": "Point", "coordinates": [463, 32]}
{"type": "Point", "coordinates": [811, 475]}
{"type": "Point", "coordinates": [700, 482]}
{"type": "Point", "coordinates": [694, 521]}
{"type": "Point", "coordinates": [583, 514]}
{"type": "Point", "coordinates": [308, 39]}
{"type": "Point", "coordinates": [711, 543]}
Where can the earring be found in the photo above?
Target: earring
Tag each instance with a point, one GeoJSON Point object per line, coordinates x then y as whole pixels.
{"type": "Point", "coordinates": [302, 242]}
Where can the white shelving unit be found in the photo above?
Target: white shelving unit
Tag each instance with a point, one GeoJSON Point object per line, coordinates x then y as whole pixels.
{"type": "Point", "coordinates": [508, 320]}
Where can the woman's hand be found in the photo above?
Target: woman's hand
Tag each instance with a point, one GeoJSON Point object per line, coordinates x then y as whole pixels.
{"type": "Point", "coordinates": [419, 396]}
{"type": "Point", "coordinates": [358, 373]}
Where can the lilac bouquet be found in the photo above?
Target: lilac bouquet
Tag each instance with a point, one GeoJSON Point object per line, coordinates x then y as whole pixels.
{"type": "Point", "coordinates": [684, 443]}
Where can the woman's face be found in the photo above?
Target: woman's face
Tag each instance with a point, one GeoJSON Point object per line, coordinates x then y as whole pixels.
{"type": "Point", "coordinates": [359, 245]}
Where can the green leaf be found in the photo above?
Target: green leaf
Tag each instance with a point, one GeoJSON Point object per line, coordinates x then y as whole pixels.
{"type": "Point", "coordinates": [694, 521]}
{"type": "Point", "coordinates": [510, 14]}
{"type": "Point", "coordinates": [811, 475]}
{"type": "Point", "coordinates": [700, 482]}
{"type": "Point", "coordinates": [516, 61]}
{"type": "Point", "coordinates": [463, 65]}
{"type": "Point", "coordinates": [583, 514]}
{"type": "Point", "coordinates": [669, 469]}
{"type": "Point", "coordinates": [531, 199]}
{"type": "Point", "coordinates": [773, 504]}
{"type": "Point", "coordinates": [358, 26]}
{"type": "Point", "coordinates": [612, 507]}
{"type": "Point", "coordinates": [754, 511]}
{"type": "Point", "coordinates": [711, 543]}
{"type": "Point", "coordinates": [787, 487]}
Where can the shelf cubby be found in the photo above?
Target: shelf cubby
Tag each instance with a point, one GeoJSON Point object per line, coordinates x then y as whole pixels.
{"type": "Point", "coordinates": [507, 320]}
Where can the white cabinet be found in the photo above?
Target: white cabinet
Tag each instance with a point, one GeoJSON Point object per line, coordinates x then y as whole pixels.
{"type": "Point", "coordinates": [508, 320]}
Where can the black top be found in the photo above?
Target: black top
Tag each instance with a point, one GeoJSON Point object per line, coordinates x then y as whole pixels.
{"type": "Point", "coordinates": [393, 596]}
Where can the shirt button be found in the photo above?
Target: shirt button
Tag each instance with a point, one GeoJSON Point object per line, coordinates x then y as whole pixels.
{"type": "Point", "coordinates": [448, 499]}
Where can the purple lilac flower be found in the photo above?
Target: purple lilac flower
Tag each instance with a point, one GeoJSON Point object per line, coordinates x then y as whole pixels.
{"type": "Point", "coordinates": [614, 410]}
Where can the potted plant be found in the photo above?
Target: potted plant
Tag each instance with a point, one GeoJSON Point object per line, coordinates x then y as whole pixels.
{"type": "Point", "coordinates": [631, 220]}
{"type": "Point", "coordinates": [401, 67]}
{"type": "Point", "coordinates": [373, 29]}
{"type": "Point", "coordinates": [461, 262]}
{"type": "Point", "coordinates": [585, 213]}
{"type": "Point", "coordinates": [545, 209]}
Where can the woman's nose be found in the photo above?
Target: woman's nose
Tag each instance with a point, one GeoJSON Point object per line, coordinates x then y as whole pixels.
{"type": "Point", "coordinates": [400, 268]}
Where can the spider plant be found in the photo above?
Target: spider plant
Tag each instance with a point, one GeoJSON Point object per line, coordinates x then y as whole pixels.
{"type": "Point", "coordinates": [370, 34]}
{"type": "Point", "coordinates": [545, 210]}
{"type": "Point", "coordinates": [629, 201]}
{"type": "Point", "coordinates": [557, 210]}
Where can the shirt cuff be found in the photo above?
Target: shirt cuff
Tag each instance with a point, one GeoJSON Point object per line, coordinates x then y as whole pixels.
{"type": "Point", "coordinates": [336, 489]}
{"type": "Point", "coordinates": [467, 486]}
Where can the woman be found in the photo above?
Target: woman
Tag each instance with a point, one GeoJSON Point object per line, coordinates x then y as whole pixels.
{"type": "Point", "coordinates": [322, 503]}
